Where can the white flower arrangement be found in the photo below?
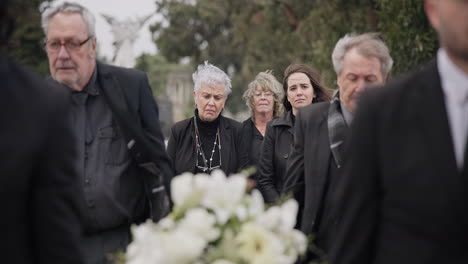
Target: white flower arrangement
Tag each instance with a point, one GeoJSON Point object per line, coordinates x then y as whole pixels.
{"type": "Point", "coordinates": [214, 221]}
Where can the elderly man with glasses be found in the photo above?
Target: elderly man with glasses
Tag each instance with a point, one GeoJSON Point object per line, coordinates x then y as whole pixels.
{"type": "Point", "coordinates": [122, 160]}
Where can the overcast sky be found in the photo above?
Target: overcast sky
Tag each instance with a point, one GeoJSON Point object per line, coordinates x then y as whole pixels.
{"type": "Point", "coordinates": [120, 9]}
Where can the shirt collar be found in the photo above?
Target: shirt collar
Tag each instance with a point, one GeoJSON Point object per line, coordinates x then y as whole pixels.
{"type": "Point", "coordinates": [91, 88]}
{"type": "Point", "coordinates": [347, 115]}
{"type": "Point", "coordinates": [454, 81]}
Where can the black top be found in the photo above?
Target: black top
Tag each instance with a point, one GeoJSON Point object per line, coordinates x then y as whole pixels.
{"type": "Point", "coordinates": [103, 162]}
{"type": "Point", "coordinates": [208, 152]}
{"type": "Point", "coordinates": [182, 147]}
{"type": "Point", "coordinates": [254, 140]}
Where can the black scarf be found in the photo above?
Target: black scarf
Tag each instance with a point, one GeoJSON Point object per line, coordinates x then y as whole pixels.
{"type": "Point", "coordinates": [336, 129]}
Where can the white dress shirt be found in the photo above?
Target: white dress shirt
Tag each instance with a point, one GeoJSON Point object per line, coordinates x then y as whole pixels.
{"type": "Point", "coordinates": [455, 87]}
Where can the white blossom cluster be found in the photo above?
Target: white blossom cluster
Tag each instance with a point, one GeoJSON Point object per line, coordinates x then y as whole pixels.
{"type": "Point", "coordinates": [214, 221]}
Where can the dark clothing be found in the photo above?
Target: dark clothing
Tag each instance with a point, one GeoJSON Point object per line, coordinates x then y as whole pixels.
{"type": "Point", "coordinates": [120, 129]}
{"type": "Point", "coordinates": [208, 151]}
{"type": "Point", "coordinates": [38, 181]}
{"type": "Point", "coordinates": [182, 146]}
{"type": "Point", "coordinates": [254, 140]}
{"type": "Point", "coordinates": [276, 149]}
{"type": "Point", "coordinates": [104, 164]}
{"type": "Point", "coordinates": [402, 198]}
{"type": "Point", "coordinates": [312, 172]}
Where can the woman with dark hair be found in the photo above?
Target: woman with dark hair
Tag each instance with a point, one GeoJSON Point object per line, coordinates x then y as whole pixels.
{"type": "Point", "coordinates": [301, 87]}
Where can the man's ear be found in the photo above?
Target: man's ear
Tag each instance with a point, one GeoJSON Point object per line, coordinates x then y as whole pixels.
{"type": "Point", "coordinates": [430, 7]}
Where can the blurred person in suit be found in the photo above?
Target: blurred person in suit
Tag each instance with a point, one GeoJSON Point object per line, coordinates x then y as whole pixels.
{"type": "Point", "coordinates": [38, 180]}
{"type": "Point", "coordinates": [403, 194]}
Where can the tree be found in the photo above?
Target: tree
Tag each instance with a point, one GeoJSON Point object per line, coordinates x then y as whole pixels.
{"type": "Point", "coordinates": [245, 37]}
{"type": "Point", "coordinates": [25, 42]}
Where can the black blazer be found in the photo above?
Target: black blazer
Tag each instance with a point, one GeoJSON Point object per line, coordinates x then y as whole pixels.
{"type": "Point", "coordinates": [38, 181]}
{"type": "Point", "coordinates": [402, 198]}
{"type": "Point", "coordinates": [308, 165]}
{"type": "Point", "coordinates": [182, 149]}
{"type": "Point", "coordinates": [276, 148]}
{"type": "Point", "coordinates": [130, 98]}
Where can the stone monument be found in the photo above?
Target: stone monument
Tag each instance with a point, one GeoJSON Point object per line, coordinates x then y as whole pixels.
{"type": "Point", "coordinates": [125, 33]}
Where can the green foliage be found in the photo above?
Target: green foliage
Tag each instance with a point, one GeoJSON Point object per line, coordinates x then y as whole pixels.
{"type": "Point", "coordinates": [244, 37]}
{"type": "Point", "coordinates": [25, 42]}
{"type": "Point", "coordinates": [407, 32]}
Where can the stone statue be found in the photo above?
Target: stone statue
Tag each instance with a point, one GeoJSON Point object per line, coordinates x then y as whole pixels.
{"type": "Point", "coordinates": [125, 33]}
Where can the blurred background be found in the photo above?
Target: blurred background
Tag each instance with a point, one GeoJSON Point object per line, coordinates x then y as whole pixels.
{"type": "Point", "coordinates": [242, 37]}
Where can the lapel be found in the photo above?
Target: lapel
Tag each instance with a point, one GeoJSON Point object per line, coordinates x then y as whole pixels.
{"type": "Point", "coordinates": [431, 117]}
{"type": "Point", "coordinates": [115, 96]}
{"type": "Point", "coordinates": [225, 134]}
{"type": "Point", "coordinates": [323, 154]}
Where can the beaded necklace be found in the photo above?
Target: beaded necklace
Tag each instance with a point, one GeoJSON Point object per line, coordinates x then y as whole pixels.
{"type": "Point", "coordinates": [217, 142]}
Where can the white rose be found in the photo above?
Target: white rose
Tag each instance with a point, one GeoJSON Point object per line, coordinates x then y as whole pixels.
{"type": "Point", "coordinates": [201, 223]}
{"type": "Point", "coordinates": [258, 245]}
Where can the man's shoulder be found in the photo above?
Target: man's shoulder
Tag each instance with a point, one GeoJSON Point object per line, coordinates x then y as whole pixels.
{"type": "Point", "coordinates": [119, 71]}
{"type": "Point", "coordinates": [406, 87]}
{"type": "Point", "coordinates": [182, 125]}
{"type": "Point", "coordinates": [313, 110]}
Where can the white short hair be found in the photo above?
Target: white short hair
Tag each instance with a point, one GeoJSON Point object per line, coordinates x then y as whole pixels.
{"type": "Point", "coordinates": [367, 44]}
{"type": "Point", "coordinates": [209, 74]}
{"type": "Point", "coordinates": [69, 7]}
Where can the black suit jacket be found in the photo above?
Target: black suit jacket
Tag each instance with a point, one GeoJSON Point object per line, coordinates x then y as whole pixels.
{"type": "Point", "coordinates": [130, 98]}
{"type": "Point", "coordinates": [308, 165]}
{"type": "Point", "coordinates": [38, 182]}
{"type": "Point", "coordinates": [403, 199]}
{"type": "Point", "coordinates": [182, 149]}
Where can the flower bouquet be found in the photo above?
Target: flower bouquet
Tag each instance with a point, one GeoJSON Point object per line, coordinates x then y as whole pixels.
{"type": "Point", "coordinates": [214, 221]}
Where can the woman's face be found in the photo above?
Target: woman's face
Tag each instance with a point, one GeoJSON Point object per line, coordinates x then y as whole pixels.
{"type": "Point", "coordinates": [300, 91]}
{"type": "Point", "coordinates": [263, 101]}
{"type": "Point", "coordinates": [210, 101]}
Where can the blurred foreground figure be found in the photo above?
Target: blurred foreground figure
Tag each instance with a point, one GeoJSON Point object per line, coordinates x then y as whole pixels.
{"type": "Point", "coordinates": [38, 183]}
{"type": "Point", "coordinates": [404, 190]}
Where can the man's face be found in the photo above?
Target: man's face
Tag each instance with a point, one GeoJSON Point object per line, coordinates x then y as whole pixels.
{"type": "Point", "coordinates": [450, 19]}
{"type": "Point", "coordinates": [72, 65]}
{"type": "Point", "coordinates": [357, 74]}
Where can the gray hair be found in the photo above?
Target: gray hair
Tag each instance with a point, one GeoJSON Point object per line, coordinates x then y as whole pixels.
{"type": "Point", "coordinates": [265, 81]}
{"type": "Point", "coordinates": [367, 44]}
{"type": "Point", "coordinates": [209, 74]}
{"type": "Point", "coordinates": [69, 7]}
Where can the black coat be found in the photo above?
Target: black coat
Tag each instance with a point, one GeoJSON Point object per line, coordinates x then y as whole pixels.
{"type": "Point", "coordinates": [38, 180]}
{"type": "Point", "coordinates": [277, 146]}
{"type": "Point", "coordinates": [130, 98]}
{"type": "Point", "coordinates": [308, 165]}
{"type": "Point", "coordinates": [402, 198]}
{"type": "Point", "coordinates": [182, 149]}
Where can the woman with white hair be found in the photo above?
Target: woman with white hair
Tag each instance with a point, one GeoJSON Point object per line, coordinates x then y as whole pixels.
{"type": "Point", "coordinates": [208, 140]}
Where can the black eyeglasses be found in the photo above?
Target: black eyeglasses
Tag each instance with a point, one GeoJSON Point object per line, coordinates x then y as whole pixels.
{"type": "Point", "coordinates": [70, 45]}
